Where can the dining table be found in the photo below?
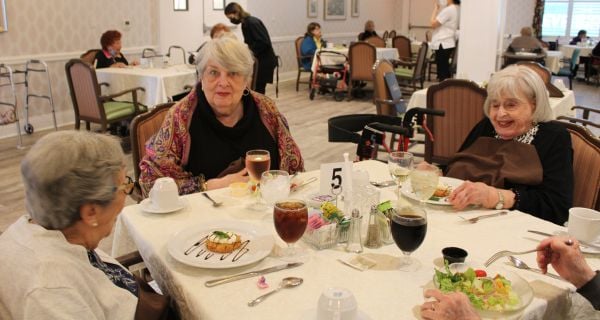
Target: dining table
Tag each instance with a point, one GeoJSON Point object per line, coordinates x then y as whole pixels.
{"type": "Point", "coordinates": [160, 82]}
{"type": "Point", "coordinates": [567, 50]}
{"type": "Point", "coordinates": [560, 106]}
{"type": "Point", "coordinates": [553, 60]}
{"type": "Point", "coordinates": [382, 291]}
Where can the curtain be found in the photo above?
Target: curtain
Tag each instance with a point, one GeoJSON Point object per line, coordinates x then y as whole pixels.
{"type": "Point", "coordinates": [538, 15]}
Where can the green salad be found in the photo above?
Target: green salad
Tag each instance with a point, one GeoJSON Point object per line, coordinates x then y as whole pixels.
{"type": "Point", "coordinates": [494, 294]}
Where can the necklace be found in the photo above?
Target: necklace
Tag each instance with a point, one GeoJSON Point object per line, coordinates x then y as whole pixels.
{"type": "Point", "coordinates": [526, 137]}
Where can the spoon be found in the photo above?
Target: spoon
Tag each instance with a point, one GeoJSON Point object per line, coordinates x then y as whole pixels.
{"type": "Point", "coordinates": [522, 265]}
{"type": "Point", "coordinates": [286, 283]}
{"type": "Point", "coordinates": [215, 204]}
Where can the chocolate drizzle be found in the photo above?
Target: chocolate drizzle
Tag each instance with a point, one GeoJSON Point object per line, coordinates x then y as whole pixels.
{"type": "Point", "coordinates": [206, 254]}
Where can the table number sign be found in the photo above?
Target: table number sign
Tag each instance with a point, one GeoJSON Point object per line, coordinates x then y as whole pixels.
{"type": "Point", "coordinates": [332, 178]}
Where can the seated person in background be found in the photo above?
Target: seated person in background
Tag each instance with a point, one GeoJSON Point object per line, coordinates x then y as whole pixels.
{"type": "Point", "coordinates": [51, 265]}
{"type": "Point", "coordinates": [369, 31]}
{"type": "Point", "coordinates": [581, 37]}
{"type": "Point", "coordinates": [216, 124]}
{"type": "Point", "coordinates": [110, 55]}
{"type": "Point", "coordinates": [596, 50]}
{"type": "Point", "coordinates": [516, 158]}
{"type": "Point", "coordinates": [216, 31]}
{"type": "Point", "coordinates": [526, 42]}
{"type": "Point", "coordinates": [566, 259]}
{"type": "Point", "coordinates": [311, 43]}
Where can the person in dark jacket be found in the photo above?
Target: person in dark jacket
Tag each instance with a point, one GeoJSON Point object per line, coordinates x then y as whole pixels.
{"type": "Point", "coordinates": [110, 55]}
{"type": "Point", "coordinates": [369, 31]}
{"type": "Point", "coordinates": [257, 38]}
{"type": "Point", "coordinates": [581, 37]}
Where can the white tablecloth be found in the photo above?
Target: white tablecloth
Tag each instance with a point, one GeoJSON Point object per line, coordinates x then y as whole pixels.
{"type": "Point", "coordinates": [160, 83]}
{"type": "Point", "coordinates": [552, 60]}
{"type": "Point", "coordinates": [382, 53]}
{"type": "Point", "coordinates": [568, 49]}
{"type": "Point", "coordinates": [382, 292]}
{"type": "Point", "coordinates": [560, 106]}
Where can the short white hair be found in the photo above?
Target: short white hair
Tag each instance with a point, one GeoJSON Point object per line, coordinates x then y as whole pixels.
{"type": "Point", "coordinates": [67, 169]}
{"type": "Point", "coordinates": [229, 52]}
{"type": "Point", "coordinates": [515, 81]}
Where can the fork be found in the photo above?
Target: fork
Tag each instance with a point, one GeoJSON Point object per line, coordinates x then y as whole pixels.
{"type": "Point", "coordinates": [505, 253]}
{"type": "Point", "coordinates": [214, 203]}
{"type": "Point", "coordinates": [476, 219]}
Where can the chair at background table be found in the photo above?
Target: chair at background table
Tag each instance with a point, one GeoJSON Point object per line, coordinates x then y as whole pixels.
{"type": "Point", "coordinates": [546, 76]}
{"type": "Point", "coordinates": [88, 102]}
{"type": "Point", "coordinates": [593, 69]}
{"type": "Point", "coordinates": [89, 56]}
{"type": "Point", "coordinates": [392, 34]}
{"type": "Point", "coordinates": [376, 41]}
{"type": "Point", "coordinates": [386, 35]}
{"type": "Point", "coordinates": [586, 177]}
{"type": "Point", "coordinates": [585, 117]}
{"type": "Point", "coordinates": [409, 73]}
{"type": "Point", "coordinates": [462, 100]}
{"type": "Point", "coordinates": [402, 44]}
{"type": "Point", "coordinates": [570, 71]}
{"type": "Point", "coordinates": [361, 57]}
{"type": "Point", "coordinates": [299, 57]}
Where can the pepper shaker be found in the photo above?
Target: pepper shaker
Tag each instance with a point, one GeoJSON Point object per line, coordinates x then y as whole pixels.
{"type": "Point", "coordinates": [373, 233]}
{"type": "Point", "coordinates": [354, 243]}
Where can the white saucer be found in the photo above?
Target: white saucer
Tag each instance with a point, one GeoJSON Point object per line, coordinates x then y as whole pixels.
{"type": "Point", "coordinates": [311, 314]}
{"type": "Point", "coordinates": [582, 247]}
{"type": "Point", "coordinates": [148, 206]}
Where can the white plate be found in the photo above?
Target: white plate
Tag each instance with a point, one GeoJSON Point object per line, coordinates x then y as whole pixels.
{"type": "Point", "coordinates": [148, 206]}
{"type": "Point", "coordinates": [259, 245]}
{"type": "Point", "coordinates": [452, 182]}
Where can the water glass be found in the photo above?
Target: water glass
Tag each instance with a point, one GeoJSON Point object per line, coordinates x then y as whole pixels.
{"type": "Point", "coordinates": [274, 186]}
{"type": "Point", "coordinates": [424, 179]}
{"type": "Point", "coordinates": [400, 164]}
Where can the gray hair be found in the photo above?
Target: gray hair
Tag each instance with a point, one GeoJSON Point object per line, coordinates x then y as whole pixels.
{"type": "Point", "coordinates": [230, 53]}
{"type": "Point", "coordinates": [67, 169]}
{"type": "Point", "coordinates": [515, 81]}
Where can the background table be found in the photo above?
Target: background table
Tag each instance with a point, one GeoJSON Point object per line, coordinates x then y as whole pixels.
{"type": "Point", "coordinates": [160, 83]}
{"type": "Point", "coordinates": [567, 50]}
{"type": "Point", "coordinates": [382, 292]}
{"type": "Point", "coordinates": [560, 106]}
{"type": "Point", "coordinates": [553, 60]}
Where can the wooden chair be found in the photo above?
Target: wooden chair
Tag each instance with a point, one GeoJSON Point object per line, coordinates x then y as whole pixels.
{"type": "Point", "coordinates": [376, 41]}
{"type": "Point", "coordinates": [386, 35]}
{"type": "Point", "coordinates": [88, 102]}
{"type": "Point", "coordinates": [546, 76]}
{"type": "Point", "coordinates": [361, 57]}
{"type": "Point", "coordinates": [89, 56]}
{"type": "Point", "coordinates": [586, 175]}
{"type": "Point", "coordinates": [585, 117]}
{"type": "Point", "coordinates": [384, 103]}
{"type": "Point", "coordinates": [301, 69]}
{"type": "Point", "coordinates": [462, 100]}
{"type": "Point", "coordinates": [409, 73]}
{"type": "Point", "coordinates": [402, 44]}
{"type": "Point", "coordinates": [392, 34]}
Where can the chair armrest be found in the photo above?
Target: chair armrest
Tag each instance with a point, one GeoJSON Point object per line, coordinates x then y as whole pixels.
{"type": "Point", "coordinates": [114, 95]}
{"type": "Point", "coordinates": [404, 63]}
{"type": "Point", "coordinates": [130, 259]}
{"type": "Point", "coordinates": [577, 120]}
{"type": "Point", "coordinates": [586, 111]}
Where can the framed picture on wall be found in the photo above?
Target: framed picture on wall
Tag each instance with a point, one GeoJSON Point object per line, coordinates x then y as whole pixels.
{"type": "Point", "coordinates": [180, 5]}
{"type": "Point", "coordinates": [312, 9]}
{"type": "Point", "coordinates": [354, 8]}
{"type": "Point", "coordinates": [335, 9]}
{"type": "Point", "coordinates": [218, 4]}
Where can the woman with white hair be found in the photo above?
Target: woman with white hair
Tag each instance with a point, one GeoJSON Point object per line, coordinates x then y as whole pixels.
{"type": "Point", "coordinates": [517, 158]}
{"type": "Point", "coordinates": [206, 134]}
{"type": "Point", "coordinates": [75, 187]}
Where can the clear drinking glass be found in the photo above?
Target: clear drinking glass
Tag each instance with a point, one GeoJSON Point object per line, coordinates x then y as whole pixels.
{"type": "Point", "coordinates": [424, 179]}
{"type": "Point", "coordinates": [290, 217]}
{"type": "Point", "coordinates": [257, 162]}
{"type": "Point", "coordinates": [409, 227]}
{"type": "Point", "coordinates": [400, 164]}
{"type": "Point", "coordinates": [274, 186]}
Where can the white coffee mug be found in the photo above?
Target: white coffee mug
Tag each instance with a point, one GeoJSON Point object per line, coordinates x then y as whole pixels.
{"type": "Point", "coordinates": [584, 224]}
{"type": "Point", "coordinates": [164, 194]}
{"type": "Point", "coordinates": [338, 304]}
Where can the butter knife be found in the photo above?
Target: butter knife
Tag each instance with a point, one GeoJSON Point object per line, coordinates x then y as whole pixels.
{"type": "Point", "coordinates": [216, 282]}
{"type": "Point", "coordinates": [583, 243]}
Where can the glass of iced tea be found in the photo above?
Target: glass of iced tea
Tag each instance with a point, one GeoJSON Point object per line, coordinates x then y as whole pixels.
{"type": "Point", "coordinates": [290, 217]}
{"type": "Point", "coordinates": [257, 162]}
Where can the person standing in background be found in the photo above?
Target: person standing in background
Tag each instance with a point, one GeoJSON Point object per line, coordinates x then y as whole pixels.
{"type": "Point", "coordinates": [258, 40]}
{"type": "Point", "coordinates": [445, 24]}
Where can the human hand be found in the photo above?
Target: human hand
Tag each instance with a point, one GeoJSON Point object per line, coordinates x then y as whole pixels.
{"type": "Point", "coordinates": [566, 258]}
{"type": "Point", "coordinates": [118, 65]}
{"type": "Point", "coordinates": [449, 306]}
{"type": "Point", "coordinates": [477, 193]}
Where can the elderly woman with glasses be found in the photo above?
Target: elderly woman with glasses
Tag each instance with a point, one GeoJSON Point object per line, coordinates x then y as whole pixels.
{"type": "Point", "coordinates": [516, 157]}
{"type": "Point", "coordinates": [205, 136]}
{"type": "Point", "coordinates": [75, 187]}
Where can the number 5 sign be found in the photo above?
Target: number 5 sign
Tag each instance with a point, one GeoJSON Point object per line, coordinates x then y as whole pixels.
{"type": "Point", "coordinates": [332, 178]}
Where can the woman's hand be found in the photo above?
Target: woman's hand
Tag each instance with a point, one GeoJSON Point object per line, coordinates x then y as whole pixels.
{"type": "Point", "coordinates": [565, 258]}
{"type": "Point", "coordinates": [216, 183]}
{"type": "Point", "coordinates": [450, 306]}
{"type": "Point", "coordinates": [118, 65]}
{"type": "Point", "coordinates": [477, 193]}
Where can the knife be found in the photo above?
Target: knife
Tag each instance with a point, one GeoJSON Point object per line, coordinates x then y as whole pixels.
{"type": "Point", "coordinates": [216, 282]}
{"type": "Point", "coordinates": [583, 243]}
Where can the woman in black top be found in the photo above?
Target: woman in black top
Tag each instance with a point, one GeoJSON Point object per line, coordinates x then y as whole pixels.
{"type": "Point", "coordinates": [110, 55]}
{"type": "Point", "coordinates": [369, 31]}
{"type": "Point", "coordinates": [258, 40]}
{"type": "Point", "coordinates": [521, 159]}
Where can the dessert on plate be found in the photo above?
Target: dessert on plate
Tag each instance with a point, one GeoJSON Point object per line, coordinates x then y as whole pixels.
{"type": "Point", "coordinates": [223, 241]}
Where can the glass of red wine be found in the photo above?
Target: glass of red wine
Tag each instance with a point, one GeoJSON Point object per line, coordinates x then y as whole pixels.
{"type": "Point", "coordinates": [257, 162]}
{"type": "Point", "coordinates": [290, 217]}
{"type": "Point", "coordinates": [409, 227]}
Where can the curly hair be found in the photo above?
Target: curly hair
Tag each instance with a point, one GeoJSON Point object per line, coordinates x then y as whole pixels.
{"type": "Point", "coordinates": [109, 37]}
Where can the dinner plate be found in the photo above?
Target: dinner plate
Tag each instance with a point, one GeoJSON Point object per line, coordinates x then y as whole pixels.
{"type": "Point", "coordinates": [257, 243]}
{"type": "Point", "coordinates": [452, 182]}
{"type": "Point", "coordinates": [148, 206]}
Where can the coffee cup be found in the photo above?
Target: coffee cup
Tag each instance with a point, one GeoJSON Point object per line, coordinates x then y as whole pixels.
{"type": "Point", "coordinates": [584, 224]}
{"type": "Point", "coordinates": [164, 194]}
{"type": "Point", "coordinates": [337, 303]}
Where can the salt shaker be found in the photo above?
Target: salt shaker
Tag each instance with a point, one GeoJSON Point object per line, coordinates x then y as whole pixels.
{"type": "Point", "coordinates": [373, 233]}
{"type": "Point", "coordinates": [354, 243]}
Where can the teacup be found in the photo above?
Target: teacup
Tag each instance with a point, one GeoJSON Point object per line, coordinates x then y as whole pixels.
{"type": "Point", "coordinates": [337, 303]}
{"type": "Point", "coordinates": [584, 224]}
{"type": "Point", "coordinates": [164, 194]}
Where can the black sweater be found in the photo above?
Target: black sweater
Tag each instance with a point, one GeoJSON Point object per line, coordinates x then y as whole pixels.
{"type": "Point", "coordinates": [551, 199]}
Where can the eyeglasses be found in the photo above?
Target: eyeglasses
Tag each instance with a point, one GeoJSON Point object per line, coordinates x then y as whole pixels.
{"type": "Point", "coordinates": [127, 187]}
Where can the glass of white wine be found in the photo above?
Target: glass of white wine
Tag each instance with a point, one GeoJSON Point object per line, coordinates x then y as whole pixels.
{"type": "Point", "coordinates": [400, 164]}
{"type": "Point", "coordinates": [424, 179]}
